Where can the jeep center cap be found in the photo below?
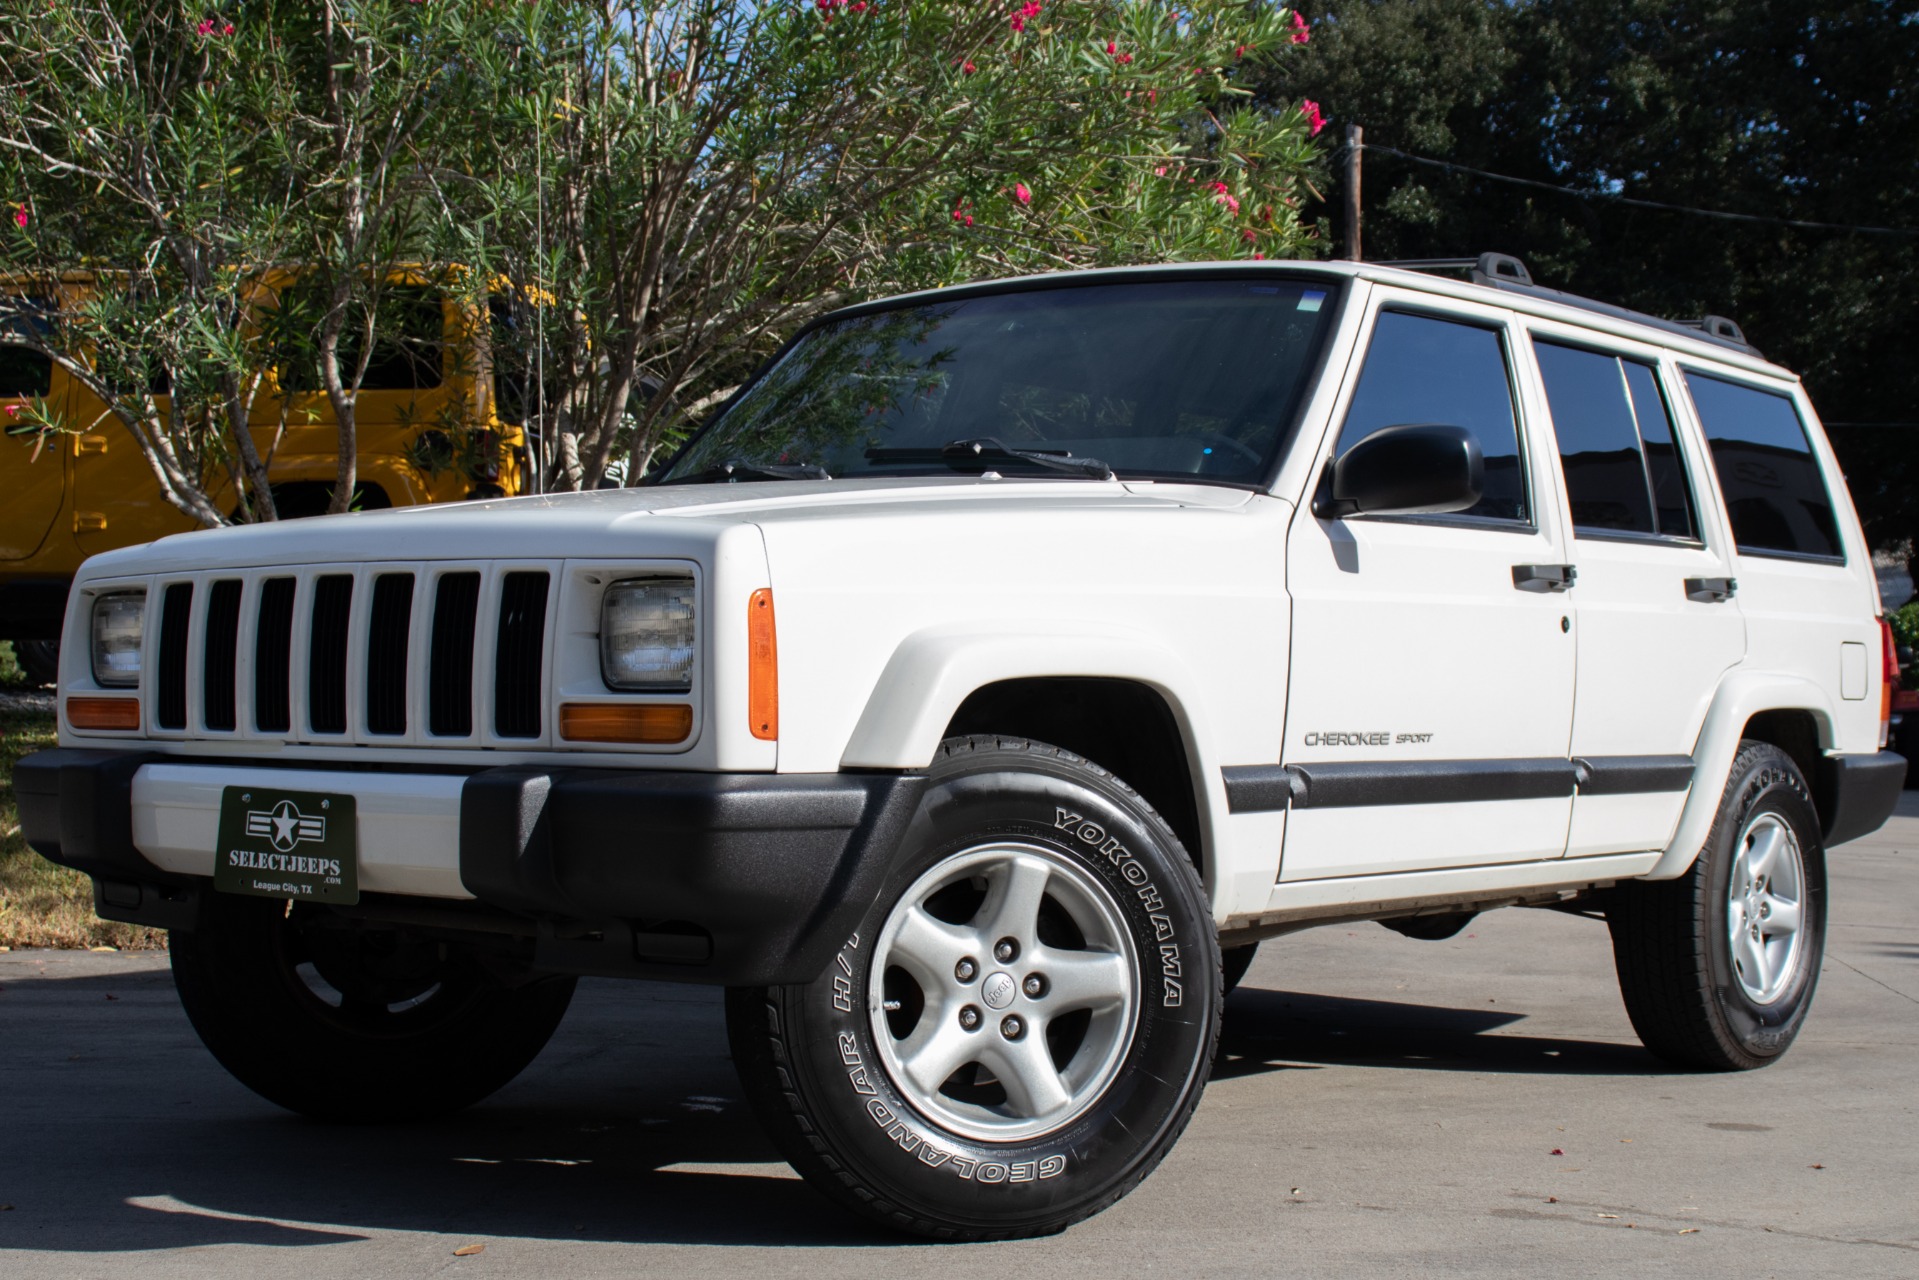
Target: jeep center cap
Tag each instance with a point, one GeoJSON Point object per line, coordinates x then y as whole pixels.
{"type": "Point", "coordinates": [998, 989]}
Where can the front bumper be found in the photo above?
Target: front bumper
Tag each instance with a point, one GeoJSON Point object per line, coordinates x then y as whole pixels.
{"type": "Point", "coordinates": [742, 879]}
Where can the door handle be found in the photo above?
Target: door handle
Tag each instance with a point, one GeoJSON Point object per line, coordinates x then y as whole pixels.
{"type": "Point", "coordinates": [1544, 577]}
{"type": "Point", "coordinates": [1711, 590]}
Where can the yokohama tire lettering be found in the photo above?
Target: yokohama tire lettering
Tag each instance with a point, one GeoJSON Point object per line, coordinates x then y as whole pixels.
{"type": "Point", "coordinates": [1134, 872]}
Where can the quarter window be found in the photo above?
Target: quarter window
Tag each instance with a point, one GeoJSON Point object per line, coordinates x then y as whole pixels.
{"type": "Point", "coordinates": [1424, 370]}
{"type": "Point", "coordinates": [1775, 495]}
{"type": "Point", "coordinates": [1616, 447]}
{"type": "Point", "coordinates": [22, 372]}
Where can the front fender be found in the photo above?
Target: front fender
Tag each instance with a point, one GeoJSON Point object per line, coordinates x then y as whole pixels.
{"type": "Point", "coordinates": [1741, 696]}
{"type": "Point", "coordinates": [933, 670]}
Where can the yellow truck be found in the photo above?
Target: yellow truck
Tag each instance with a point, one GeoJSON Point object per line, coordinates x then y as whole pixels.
{"type": "Point", "coordinates": [431, 427]}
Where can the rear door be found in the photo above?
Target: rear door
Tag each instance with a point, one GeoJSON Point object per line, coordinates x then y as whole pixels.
{"type": "Point", "coordinates": [1656, 619]}
{"type": "Point", "coordinates": [1430, 699]}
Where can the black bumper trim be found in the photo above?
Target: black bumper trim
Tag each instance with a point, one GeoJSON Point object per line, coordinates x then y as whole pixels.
{"type": "Point", "coordinates": [1858, 794]}
{"type": "Point", "coordinates": [775, 869]}
{"type": "Point", "coordinates": [745, 879]}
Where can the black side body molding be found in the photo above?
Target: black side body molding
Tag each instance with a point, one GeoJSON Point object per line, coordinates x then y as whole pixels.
{"type": "Point", "coordinates": [1343, 784]}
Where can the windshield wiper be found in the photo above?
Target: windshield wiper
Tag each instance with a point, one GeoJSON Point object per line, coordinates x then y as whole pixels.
{"type": "Point", "coordinates": [740, 469]}
{"type": "Point", "coordinates": [979, 450]}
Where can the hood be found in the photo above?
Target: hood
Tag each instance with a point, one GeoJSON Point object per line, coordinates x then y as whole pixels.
{"type": "Point", "coordinates": [661, 520]}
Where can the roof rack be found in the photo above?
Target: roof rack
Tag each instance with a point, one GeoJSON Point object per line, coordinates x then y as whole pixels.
{"type": "Point", "coordinates": [1503, 271]}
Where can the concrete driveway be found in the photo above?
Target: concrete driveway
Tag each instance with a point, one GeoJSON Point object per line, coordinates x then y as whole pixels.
{"type": "Point", "coordinates": [1382, 1107]}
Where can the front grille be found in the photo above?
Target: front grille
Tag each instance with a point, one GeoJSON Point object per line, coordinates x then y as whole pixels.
{"type": "Point", "coordinates": [338, 654]}
{"type": "Point", "coordinates": [326, 659]}
{"type": "Point", "coordinates": [218, 666]}
{"type": "Point", "coordinates": [176, 609]}
{"type": "Point", "coordinates": [516, 668]}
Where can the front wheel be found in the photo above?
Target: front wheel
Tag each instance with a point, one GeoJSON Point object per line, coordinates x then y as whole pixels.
{"type": "Point", "coordinates": [1023, 1023]}
{"type": "Point", "coordinates": [1718, 967]}
{"type": "Point", "coordinates": [340, 1022]}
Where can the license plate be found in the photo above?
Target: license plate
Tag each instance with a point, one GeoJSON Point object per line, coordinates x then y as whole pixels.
{"type": "Point", "coordinates": [301, 845]}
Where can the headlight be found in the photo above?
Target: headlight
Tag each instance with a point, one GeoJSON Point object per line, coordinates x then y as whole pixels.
{"type": "Point", "coordinates": [646, 635]}
{"type": "Point", "coordinates": [118, 619]}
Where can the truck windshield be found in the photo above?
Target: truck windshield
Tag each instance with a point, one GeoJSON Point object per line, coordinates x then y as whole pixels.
{"type": "Point", "coordinates": [1176, 379]}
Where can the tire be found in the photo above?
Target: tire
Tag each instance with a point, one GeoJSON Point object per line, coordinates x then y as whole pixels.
{"type": "Point", "coordinates": [343, 1023]}
{"type": "Point", "coordinates": [1126, 1019]}
{"type": "Point", "coordinates": [38, 660]}
{"type": "Point", "coordinates": [1699, 993]}
{"type": "Point", "coordinates": [1233, 964]}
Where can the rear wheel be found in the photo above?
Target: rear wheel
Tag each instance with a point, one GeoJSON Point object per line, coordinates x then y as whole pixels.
{"type": "Point", "coordinates": [39, 660]}
{"type": "Point", "coordinates": [1023, 1023]}
{"type": "Point", "coordinates": [1718, 967]}
{"type": "Point", "coordinates": [345, 1023]}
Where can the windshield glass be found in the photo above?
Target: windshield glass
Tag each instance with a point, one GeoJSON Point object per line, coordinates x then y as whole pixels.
{"type": "Point", "coordinates": [1186, 379]}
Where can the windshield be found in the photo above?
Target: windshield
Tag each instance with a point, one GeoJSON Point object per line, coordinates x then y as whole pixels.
{"type": "Point", "coordinates": [1185, 379]}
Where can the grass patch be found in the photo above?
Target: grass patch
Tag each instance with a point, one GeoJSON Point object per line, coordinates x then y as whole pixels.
{"type": "Point", "coordinates": [11, 676]}
{"type": "Point", "coordinates": [42, 905]}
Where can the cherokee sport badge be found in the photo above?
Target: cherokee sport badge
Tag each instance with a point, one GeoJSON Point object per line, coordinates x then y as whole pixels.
{"type": "Point", "coordinates": [287, 844]}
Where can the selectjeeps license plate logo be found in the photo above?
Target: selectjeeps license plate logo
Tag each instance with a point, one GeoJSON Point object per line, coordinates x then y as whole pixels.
{"type": "Point", "coordinates": [287, 844]}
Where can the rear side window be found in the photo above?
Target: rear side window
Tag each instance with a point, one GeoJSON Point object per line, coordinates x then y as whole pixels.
{"type": "Point", "coordinates": [1775, 495]}
{"type": "Point", "coordinates": [1623, 470]}
{"type": "Point", "coordinates": [1422, 369]}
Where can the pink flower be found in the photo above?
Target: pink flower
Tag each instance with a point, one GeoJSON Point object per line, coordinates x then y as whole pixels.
{"type": "Point", "coordinates": [20, 216]}
{"type": "Point", "coordinates": [227, 30]}
{"type": "Point", "coordinates": [969, 68]}
{"type": "Point", "coordinates": [206, 27]}
{"type": "Point", "coordinates": [1240, 51]}
{"type": "Point", "coordinates": [1111, 47]}
{"type": "Point", "coordinates": [1249, 235]}
{"type": "Point", "coordinates": [1232, 205]}
{"type": "Point", "coordinates": [1300, 34]}
{"type": "Point", "coordinates": [1258, 256]}
{"type": "Point", "coordinates": [858, 6]}
{"type": "Point", "coordinates": [1021, 193]}
{"type": "Point", "coordinates": [1310, 110]}
{"type": "Point", "coordinates": [13, 411]}
{"type": "Point", "coordinates": [1221, 188]}
{"type": "Point", "coordinates": [1030, 9]}
{"type": "Point", "coordinates": [1019, 23]}
{"type": "Point", "coordinates": [1160, 172]}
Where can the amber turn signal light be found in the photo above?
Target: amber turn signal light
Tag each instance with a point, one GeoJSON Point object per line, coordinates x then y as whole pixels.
{"type": "Point", "coordinates": [104, 713]}
{"type": "Point", "coordinates": [649, 722]}
{"type": "Point", "coordinates": [762, 667]}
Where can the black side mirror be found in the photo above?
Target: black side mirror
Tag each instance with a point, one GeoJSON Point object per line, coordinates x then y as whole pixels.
{"type": "Point", "coordinates": [1413, 469]}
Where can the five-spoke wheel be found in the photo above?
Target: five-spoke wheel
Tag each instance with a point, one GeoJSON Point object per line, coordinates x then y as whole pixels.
{"type": "Point", "coordinates": [1004, 990]}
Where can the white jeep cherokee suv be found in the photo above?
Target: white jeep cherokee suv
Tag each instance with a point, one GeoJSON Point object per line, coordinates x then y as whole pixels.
{"type": "Point", "coordinates": [996, 664]}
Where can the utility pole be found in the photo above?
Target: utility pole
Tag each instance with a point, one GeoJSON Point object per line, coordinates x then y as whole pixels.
{"type": "Point", "coordinates": [1355, 145]}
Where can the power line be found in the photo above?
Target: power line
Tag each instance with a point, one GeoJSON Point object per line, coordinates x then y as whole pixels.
{"type": "Point", "coordinates": [1644, 204]}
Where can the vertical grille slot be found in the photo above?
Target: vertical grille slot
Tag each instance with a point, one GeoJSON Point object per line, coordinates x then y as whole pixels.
{"type": "Point", "coordinates": [170, 709]}
{"type": "Point", "coordinates": [219, 661]}
{"type": "Point", "coordinates": [273, 658]}
{"type": "Point", "coordinates": [327, 652]}
{"type": "Point", "coordinates": [516, 669]}
{"type": "Point", "coordinates": [450, 676]}
{"type": "Point", "coordinates": [387, 631]}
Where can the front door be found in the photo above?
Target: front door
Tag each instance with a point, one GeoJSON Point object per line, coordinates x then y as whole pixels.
{"type": "Point", "coordinates": [1431, 691]}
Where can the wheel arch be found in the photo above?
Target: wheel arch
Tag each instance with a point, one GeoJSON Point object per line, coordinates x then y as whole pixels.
{"type": "Point", "coordinates": [1068, 688]}
{"type": "Point", "coordinates": [1791, 712]}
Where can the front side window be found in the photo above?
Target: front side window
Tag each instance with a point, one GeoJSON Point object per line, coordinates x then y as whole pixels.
{"type": "Point", "coordinates": [1775, 495]}
{"type": "Point", "coordinates": [1182, 379]}
{"type": "Point", "coordinates": [1616, 447]}
{"type": "Point", "coordinates": [1425, 370]}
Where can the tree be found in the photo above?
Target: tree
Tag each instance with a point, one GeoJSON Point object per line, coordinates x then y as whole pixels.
{"type": "Point", "coordinates": [694, 178]}
{"type": "Point", "coordinates": [1786, 115]}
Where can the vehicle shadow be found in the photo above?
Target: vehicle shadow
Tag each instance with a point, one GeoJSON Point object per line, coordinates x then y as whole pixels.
{"type": "Point", "coordinates": [123, 1134]}
{"type": "Point", "coordinates": [1275, 1030]}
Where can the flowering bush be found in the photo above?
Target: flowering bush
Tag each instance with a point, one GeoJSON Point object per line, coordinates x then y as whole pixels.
{"type": "Point", "coordinates": [662, 189]}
